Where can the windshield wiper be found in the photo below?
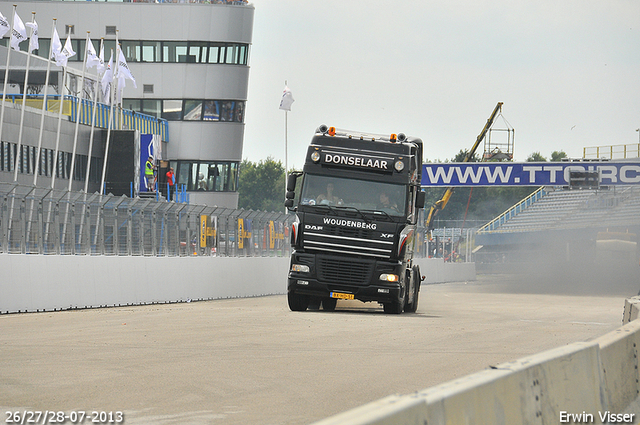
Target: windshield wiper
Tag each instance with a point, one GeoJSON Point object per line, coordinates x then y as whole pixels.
{"type": "Point", "coordinates": [378, 212]}
{"type": "Point", "coordinates": [353, 209]}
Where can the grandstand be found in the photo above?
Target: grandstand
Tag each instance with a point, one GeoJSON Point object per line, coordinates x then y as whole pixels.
{"type": "Point", "coordinates": [566, 241]}
{"type": "Point", "coordinates": [557, 234]}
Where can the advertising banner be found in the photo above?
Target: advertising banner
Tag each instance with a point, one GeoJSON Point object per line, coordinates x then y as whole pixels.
{"type": "Point", "coordinates": [526, 173]}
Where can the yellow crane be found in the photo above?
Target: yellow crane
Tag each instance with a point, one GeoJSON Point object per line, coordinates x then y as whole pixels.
{"type": "Point", "coordinates": [442, 202]}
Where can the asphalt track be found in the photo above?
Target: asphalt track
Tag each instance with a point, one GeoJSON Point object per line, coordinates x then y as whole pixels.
{"type": "Point", "coordinates": [242, 361]}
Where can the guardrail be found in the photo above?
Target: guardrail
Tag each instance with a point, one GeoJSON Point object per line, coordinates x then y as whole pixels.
{"type": "Point", "coordinates": [122, 118]}
{"type": "Point", "coordinates": [584, 382]}
{"type": "Point", "coordinates": [45, 221]}
{"type": "Point", "coordinates": [630, 150]}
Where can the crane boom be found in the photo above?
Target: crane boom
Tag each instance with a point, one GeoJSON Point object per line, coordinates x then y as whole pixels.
{"type": "Point", "coordinates": [442, 202]}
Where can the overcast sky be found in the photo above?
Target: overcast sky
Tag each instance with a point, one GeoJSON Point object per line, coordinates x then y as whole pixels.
{"type": "Point", "coordinates": [568, 72]}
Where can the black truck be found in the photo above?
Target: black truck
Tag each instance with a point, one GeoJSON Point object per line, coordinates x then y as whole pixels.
{"type": "Point", "coordinates": [356, 218]}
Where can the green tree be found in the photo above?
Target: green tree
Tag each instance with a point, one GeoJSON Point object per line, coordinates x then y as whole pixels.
{"type": "Point", "coordinates": [536, 157]}
{"type": "Point", "coordinates": [557, 156]}
{"type": "Point", "coordinates": [261, 185]}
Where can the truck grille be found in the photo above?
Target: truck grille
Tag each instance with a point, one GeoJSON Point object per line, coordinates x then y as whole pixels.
{"type": "Point", "coordinates": [344, 271]}
{"type": "Point", "coordinates": [353, 244]}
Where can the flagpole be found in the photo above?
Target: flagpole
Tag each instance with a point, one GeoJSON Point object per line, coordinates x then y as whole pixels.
{"type": "Point", "coordinates": [79, 107]}
{"type": "Point", "coordinates": [55, 156]}
{"type": "Point", "coordinates": [93, 122]}
{"type": "Point", "coordinates": [45, 104]}
{"type": "Point", "coordinates": [106, 148]}
{"type": "Point", "coordinates": [24, 101]}
{"type": "Point", "coordinates": [6, 72]}
{"type": "Point", "coordinates": [68, 54]}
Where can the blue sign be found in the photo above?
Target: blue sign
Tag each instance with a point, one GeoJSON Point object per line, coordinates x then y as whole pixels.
{"type": "Point", "coordinates": [526, 173]}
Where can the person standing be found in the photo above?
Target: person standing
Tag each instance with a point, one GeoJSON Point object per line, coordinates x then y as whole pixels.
{"type": "Point", "coordinates": [171, 182]}
{"type": "Point", "coordinates": [149, 169]}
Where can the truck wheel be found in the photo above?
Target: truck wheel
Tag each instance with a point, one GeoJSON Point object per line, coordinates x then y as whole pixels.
{"type": "Point", "coordinates": [329, 304]}
{"type": "Point", "coordinates": [314, 303]}
{"type": "Point", "coordinates": [396, 306]}
{"type": "Point", "coordinates": [393, 307]}
{"type": "Point", "coordinates": [297, 302]}
{"type": "Point", "coordinates": [413, 307]}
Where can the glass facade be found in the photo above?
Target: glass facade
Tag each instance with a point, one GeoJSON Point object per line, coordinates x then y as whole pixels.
{"type": "Point", "coordinates": [207, 176]}
{"type": "Point", "coordinates": [206, 52]}
{"type": "Point", "coordinates": [189, 109]}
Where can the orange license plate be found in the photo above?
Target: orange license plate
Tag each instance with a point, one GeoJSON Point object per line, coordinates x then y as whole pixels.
{"type": "Point", "coordinates": [342, 296]}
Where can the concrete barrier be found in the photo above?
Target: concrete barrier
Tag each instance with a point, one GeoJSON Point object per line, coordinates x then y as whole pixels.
{"type": "Point", "coordinates": [595, 382]}
{"type": "Point", "coordinates": [436, 270]}
{"type": "Point", "coordinates": [55, 282]}
{"type": "Point", "coordinates": [58, 282]}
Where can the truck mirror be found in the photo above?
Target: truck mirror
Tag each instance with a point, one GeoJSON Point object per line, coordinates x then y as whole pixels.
{"type": "Point", "coordinates": [290, 194]}
{"type": "Point", "coordinates": [288, 203]}
{"type": "Point", "coordinates": [291, 182]}
{"type": "Point", "coordinates": [420, 199]}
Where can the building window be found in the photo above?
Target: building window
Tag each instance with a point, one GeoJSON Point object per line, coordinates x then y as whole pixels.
{"type": "Point", "coordinates": [110, 30]}
{"type": "Point", "coordinates": [190, 109]}
{"type": "Point", "coordinates": [172, 110]}
{"type": "Point", "coordinates": [207, 176]}
{"type": "Point", "coordinates": [193, 110]}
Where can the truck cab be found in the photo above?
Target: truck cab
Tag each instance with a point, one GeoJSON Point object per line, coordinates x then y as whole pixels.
{"type": "Point", "coordinates": [356, 218]}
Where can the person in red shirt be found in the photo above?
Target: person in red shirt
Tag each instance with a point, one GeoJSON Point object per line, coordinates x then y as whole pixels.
{"type": "Point", "coordinates": [171, 181]}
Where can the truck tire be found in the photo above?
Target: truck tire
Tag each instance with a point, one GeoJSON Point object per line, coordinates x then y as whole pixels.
{"type": "Point", "coordinates": [297, 302]}
{"type": "Point", "coordinates": [314, 303]}
{"type": "Point", "coordinates": [396, 306]}
{"type": "Point", "coordinates": [413, 307]}
{"type": "Point", "coordinates": [329, 304]}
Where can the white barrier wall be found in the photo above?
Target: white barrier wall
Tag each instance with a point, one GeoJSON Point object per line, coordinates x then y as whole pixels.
{"type": "Point", "coordinates": [577, 383]}
{"type": "Point", "coordinates": [51, 282]}
{"type": "Point", "coordinates": [436, 270]}
{"type": "Point", "coordinates": [54, 282]}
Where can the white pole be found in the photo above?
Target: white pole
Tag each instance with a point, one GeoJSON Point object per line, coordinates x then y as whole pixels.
{"type": "Point", "coordinates": [6, 72]}
{"type": "Point", "coordinates": [79, 107]}
{"type": "Point", "coordinates": [24, 101]}
{"type": "Point", "coordinates": [93, 122]}
{"type": "Point", "coordinates": [44, 107]}
{"type": "Point", "coordinates": [111, 100]}
{"type": "Point", "coordinates": [286, 150]}
{"type": "Point", "coordinates": [55, 156]}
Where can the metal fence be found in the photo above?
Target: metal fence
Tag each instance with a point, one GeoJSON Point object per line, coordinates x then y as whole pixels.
{"type": "Point", "coordinates": [37, 220]}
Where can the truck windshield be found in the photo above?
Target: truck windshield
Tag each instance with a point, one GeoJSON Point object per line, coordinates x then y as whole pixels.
{"type": "Point", "coordinates": [360, 194]}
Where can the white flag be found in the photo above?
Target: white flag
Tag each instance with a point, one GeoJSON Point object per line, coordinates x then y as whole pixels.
{"type": "Point", "coordinates": [107, 79]}
{"type": "Point", "coordinates": [19, 33]}
{"type": "Point", "coordinates": [56, 50]}
{"type": "Point", "coordinates": [102, 65]}
{"type": "Point", "coordinates": [124, 71]}
{"type": "Point", "coordinates": [92, 56]}
{"type": "Point", "coordinates": [4, 25]}
{"type": "Point", "coordinates": [67, 50]}
{"type": "Point", "coordinates": [33, 41]}
{"type": "Point", "coordinates": [287, 99]}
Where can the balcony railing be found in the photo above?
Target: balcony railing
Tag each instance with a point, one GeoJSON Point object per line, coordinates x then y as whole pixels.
{"type": "Point", "coordinates": [123, 119]}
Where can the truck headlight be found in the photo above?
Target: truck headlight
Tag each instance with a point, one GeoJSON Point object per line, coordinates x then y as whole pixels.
{"type": "Point", "coordinates": [388, 277]}
{"type": "Point", "coordinates": [315, 156]}
{"type": "Point", "coordinates": [300, 268]}
{"type": "Point", "coordinates": [399, 166]}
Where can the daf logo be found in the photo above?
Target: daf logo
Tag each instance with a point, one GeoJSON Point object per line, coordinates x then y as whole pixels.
{"type": "Point", "coordinates": [311, 227]}
{"type": "Point", "coordinates": [386, 235]}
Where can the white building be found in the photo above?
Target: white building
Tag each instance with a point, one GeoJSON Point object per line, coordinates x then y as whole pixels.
{"type": "Point", "coordinates": [191, 65]}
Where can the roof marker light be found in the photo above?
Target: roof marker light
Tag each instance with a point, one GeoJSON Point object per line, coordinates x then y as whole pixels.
{"type": "Point", "coordinates": [332, 131]}
{"type": "Point", "coordinates": [393, 138]}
